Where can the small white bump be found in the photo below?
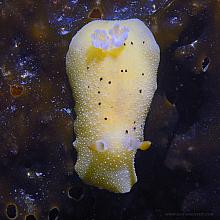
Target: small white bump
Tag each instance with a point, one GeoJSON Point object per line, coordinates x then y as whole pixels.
{"type": "Point", "coordinates": [101, 145]}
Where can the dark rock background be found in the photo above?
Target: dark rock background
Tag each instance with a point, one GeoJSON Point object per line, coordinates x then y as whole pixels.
{"type": "Point", "coordinates": [178, 178]}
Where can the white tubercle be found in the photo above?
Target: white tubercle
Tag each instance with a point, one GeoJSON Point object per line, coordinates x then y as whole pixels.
{"type": "Point", "coordinates": [101, 145]}
{"type": "Point", "coordinates": [116, 37]}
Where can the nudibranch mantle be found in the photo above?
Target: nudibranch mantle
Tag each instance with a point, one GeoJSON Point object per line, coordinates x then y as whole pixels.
{"type": "Point", "coordinates": [113, 85]}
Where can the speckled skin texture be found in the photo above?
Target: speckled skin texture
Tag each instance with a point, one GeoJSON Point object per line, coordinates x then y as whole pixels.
{"type": "Point", "coordinates": [113, 94]}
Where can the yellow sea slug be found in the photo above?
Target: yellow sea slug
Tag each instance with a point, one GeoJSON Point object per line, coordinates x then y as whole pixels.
{"type": "Point", "coordinates": [112, 69]}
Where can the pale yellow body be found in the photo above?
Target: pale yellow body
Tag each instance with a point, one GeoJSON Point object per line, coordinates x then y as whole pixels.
{"type": "Point", "coordinates": [113, 90]}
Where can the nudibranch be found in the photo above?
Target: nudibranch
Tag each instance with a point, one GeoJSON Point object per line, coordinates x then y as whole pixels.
{"type": "Point", "coordinates": [112, 70]}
